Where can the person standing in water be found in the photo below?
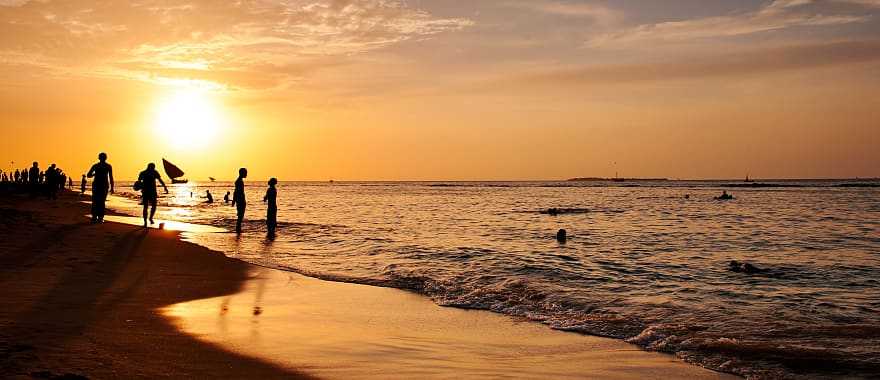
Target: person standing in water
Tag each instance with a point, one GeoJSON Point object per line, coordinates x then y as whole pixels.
{"type": "Point", "coordinates": [226, 198]}
{"type": "Point", "coordinates": [102, 173]}
{"type": "Point", "coordinates": [238, 198]}
{"type": "Point", "coordinates": [149, 195]}
{"type": "Point", "coordinates": [209, 197]}
{"type": "Point", "coordinates": [271, 208]}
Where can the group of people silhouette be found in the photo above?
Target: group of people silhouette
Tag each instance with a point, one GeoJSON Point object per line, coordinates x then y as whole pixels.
{"type": "Point", "coordinates": [49, 182]}
{"type": "Point", "coordinates": [46, 182]}
{"type": "Point", "coordinates": [148, 181]}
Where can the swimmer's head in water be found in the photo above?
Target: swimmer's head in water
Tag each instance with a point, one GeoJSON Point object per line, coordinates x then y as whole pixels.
{"type": "Point", "coordinates": [151, 166]}
{"type": "Point", "coordinates": [273, 182]}
{"type": "Point", "coordinates": [102, 157]}
{"type": "Point", "coordinates": [242, 173]}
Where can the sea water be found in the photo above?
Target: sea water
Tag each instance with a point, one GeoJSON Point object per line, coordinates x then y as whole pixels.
{"type": "Point", "coordinates": [645, 261]}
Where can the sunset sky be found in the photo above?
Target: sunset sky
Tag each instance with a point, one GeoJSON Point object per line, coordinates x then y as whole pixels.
{"type": "Point", "coordinates": [445, 89]}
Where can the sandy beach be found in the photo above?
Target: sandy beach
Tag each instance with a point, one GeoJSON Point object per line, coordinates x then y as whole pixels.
{"type": "Point", "coordinates": [119, 301]}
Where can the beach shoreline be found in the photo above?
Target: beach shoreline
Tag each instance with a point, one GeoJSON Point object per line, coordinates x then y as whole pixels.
{"type": "Point", "coordinates": [79, 300]}
{"type": "Point", "coordinates": [94, 300]}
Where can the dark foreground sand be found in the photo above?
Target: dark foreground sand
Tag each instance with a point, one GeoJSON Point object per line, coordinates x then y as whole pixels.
{"type": "Point", "coordinates": [118, 301]}
{"type": "Point", "coordinates": [80, 299]}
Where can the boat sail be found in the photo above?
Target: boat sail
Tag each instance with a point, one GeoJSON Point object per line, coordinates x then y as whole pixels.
{"type": "Point", "coordinates": [173, 172]}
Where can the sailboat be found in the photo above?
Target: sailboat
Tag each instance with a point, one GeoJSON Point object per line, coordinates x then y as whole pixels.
{"type": "Point", "coordinates": [173, 172]}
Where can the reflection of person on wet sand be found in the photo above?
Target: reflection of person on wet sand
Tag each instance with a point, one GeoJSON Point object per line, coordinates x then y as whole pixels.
{"type": "Point", "coordinates": [238, 198]}
{"type": "Point", "coordinates": [149, 195]}
{"type": "Point", "coordinates": [103, 174]}
{"type": "Point", "coordinates": [271, 208]}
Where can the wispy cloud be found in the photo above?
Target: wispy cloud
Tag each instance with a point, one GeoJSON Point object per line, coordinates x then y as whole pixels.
{"type": "Point", "coordinates": [597, 12]}
{"type": "Point", "coordinates": [776, 15]}
{"type": "Point", "coordinates": [738, 64]}
{"type": "Point", "coordinates": [867, 3]}
{"type": "Point", "coordinates": [149, 40]}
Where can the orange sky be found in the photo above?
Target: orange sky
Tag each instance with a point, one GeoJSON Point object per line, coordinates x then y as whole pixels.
{"type": "Point", "coordinates": [420, 90]}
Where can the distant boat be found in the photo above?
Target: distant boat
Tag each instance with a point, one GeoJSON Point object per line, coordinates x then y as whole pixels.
{"type": "Point", "coordinates": [212, 179]}
{"type": "Point", "coordinates": [173, 172]}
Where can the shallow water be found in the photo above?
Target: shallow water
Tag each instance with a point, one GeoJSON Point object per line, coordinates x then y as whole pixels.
{"type": "Point", "coordinates": [642, 263]}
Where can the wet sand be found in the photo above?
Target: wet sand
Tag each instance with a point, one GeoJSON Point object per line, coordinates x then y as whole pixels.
{"type": "Point", "coordinates": [80, 300]}
{"type": "Point", "coordinates": [119, 301]}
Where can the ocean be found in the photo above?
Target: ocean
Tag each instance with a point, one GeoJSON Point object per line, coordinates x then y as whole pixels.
{"type": "Point", "coordinates": [645, 261]}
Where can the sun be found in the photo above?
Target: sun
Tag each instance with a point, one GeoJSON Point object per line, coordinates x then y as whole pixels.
{"type": "Point", "coordinates": [189, 119]}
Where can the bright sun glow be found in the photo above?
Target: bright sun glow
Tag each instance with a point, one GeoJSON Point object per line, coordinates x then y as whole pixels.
{"type": "Point", "coordinates": [189, 119]}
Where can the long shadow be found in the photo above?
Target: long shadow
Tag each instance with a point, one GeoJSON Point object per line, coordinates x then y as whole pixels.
{"type": "Point", "coordinates": [108, 313]}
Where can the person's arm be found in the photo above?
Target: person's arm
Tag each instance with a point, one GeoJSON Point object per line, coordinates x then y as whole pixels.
{"type": "Point", "coordinates": [110, 173]}
{"type": "Point", "coordinates": [163, 183]}
{"type": "Point", "coordinates": [91, 172]}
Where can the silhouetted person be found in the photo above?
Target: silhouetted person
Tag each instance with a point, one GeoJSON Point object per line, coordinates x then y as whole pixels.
{"type": "Point", "coordinates": [82, 185]}
{"type": "Point", "coordinates": [51, 184]}
{"type": "Point", "coordinates": [102, 173]}
{"type": "Point", "coordinates": [34, 179]}
{"type": "Point", "coordinates": [724, 196]}
{"type": "Point", "coordinates": [149, 195]}
{"type": "Point", "coordinates": [209, 196]}
{"type": "Point", "coordinates": [271, 207]}
{"type": "Point", "coordinates": [70, 183]}
{"type": "Point", "coordinates": [562, 236]}
{"type": "Point", "coordinates": [17, 175]}
{"type": "Point", "coordinates": [226, 198]}
{"type": "Point", "coordinates": [238, 198]}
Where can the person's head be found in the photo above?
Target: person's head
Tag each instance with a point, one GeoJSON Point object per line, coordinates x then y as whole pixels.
{"type": "Point", "coordinates": [84, 176]}
{"type": "Point", "coordinates": [102, 157]}
{"type": "Point", "coordinates": [36, 164]}
{"type": "Point", "coordinates": [151, 166]}
{"type": "Point", "coordinates": [273, 181]}
{"type": "Point", "coordinates": [242, 173]}
{"type": "Point", "coordinates": [52, 166]}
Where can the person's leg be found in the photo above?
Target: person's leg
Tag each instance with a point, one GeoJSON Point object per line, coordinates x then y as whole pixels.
{"type": "Point", "coordinates": [240, 211]}
{"type": "Point", "coordinates": [146, 204]}
{"type": "Point", "coordinates": [94, 207]}
{"type": "Point", "coordinates": [153, 210]}
{"type": "Point", "coordinates": [102, 204]}
{"type": "Point", "coordinates": [271, 221]}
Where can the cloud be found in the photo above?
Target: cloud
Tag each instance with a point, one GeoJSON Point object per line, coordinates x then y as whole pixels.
{"type": "Point", "coordinates": [600, 13]}
{"type": "Point", "coordinates": [751, 62]}
{"type": "Point", "coordinates": [867, 3]}
{"type": "Point", "coordinates": [12, 3]}
{"type": "Point", "coordinates": [143, 40]}
{"type": "Point", "coordinates": [776, 15]}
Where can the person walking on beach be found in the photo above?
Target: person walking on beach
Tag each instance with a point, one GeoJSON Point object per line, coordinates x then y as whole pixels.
{"type": "Point", "coordinates": [102, 173]}
{"type": "Point", "coordinates": [149, 195]}
{"type": "Point", "coordinates": [271, 208]}
{"type": "Point", "coordinates": [82, 185]}
{"type": "Point", "coordinates": [238, 198]}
